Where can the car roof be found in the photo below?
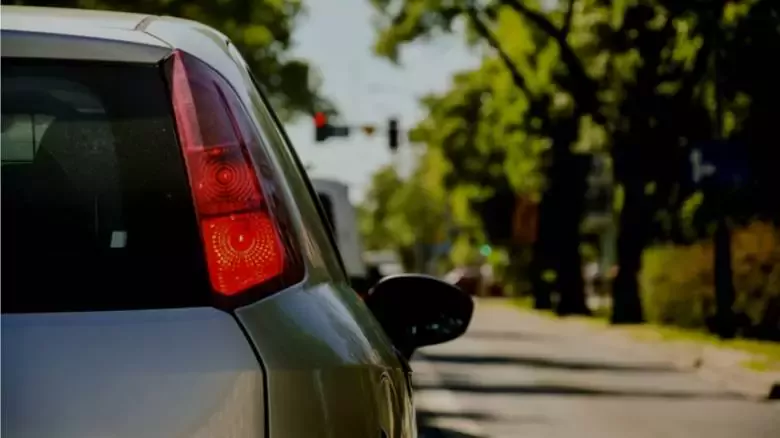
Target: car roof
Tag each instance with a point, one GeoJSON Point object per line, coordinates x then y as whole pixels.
{"type": "Point", "coordinates": [118, 26]}
{"type": "Point", "coordinates": [35, 32]}
{"type": "Point", "coordinates": [27, 18]}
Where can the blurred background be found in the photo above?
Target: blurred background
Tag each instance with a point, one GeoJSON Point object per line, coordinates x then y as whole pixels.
{"type": "Point", "coordinates": [616, 159]}
{"type": "Point", "coordinates": [599, 156]}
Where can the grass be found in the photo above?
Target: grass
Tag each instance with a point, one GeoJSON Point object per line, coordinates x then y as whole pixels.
{"type": "Point", "coordinates": [765, 354]}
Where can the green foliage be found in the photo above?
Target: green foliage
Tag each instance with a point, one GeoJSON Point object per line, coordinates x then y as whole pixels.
{"type": "Point", "coordinates": [406, 216]}
{"type": "Point", "coordinates": [260, 29]}
{"type": "Point", "coordinates": [678, 285]}
{"type": "Point", "coordinates": [635, 78]}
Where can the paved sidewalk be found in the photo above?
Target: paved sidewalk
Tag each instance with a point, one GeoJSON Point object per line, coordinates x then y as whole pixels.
{"type": "Point", "coordinates": [519, 375]}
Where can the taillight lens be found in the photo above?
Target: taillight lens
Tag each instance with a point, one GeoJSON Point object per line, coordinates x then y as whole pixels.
{"type": "Point", "coordinates": [244, 228]}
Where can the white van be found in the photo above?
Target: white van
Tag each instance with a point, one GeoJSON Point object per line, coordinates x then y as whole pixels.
{"type": "Point", "coordinates": [334, 196]}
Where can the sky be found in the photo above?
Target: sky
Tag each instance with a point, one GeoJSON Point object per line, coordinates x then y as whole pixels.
{"type": "Point", "coordinates": [336, 37]}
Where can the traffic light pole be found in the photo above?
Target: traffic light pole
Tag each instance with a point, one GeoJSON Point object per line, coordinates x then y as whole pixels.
{"type": "Point", "coordinates": [323, 130]}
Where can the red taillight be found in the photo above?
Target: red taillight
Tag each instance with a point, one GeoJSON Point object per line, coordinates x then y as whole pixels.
{"type": "Point", "coordinates": [242, 238]}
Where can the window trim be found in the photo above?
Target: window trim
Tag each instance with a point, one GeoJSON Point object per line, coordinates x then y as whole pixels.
{"type": "Point", "coordinates": [301, 172]}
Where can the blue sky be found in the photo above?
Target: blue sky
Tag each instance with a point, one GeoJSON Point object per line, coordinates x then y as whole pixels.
{"type": "Point", "coordinates": [336, 36]}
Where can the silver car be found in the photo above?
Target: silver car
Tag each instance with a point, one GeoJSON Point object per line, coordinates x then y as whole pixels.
{"type": "Point", "coordinates": [166, 269]}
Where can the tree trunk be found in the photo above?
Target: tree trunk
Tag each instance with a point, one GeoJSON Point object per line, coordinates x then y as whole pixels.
{"type": "Point", "coordinates": [540, 262]}
{"type": "Point", "coordinates": [726, 326]}
{"type": "Point", "coordinates": [567, 179]}
{"type": "Point", "coordinates": [570, 284]}
{"type": "Point", "coordinates": [626, 304]}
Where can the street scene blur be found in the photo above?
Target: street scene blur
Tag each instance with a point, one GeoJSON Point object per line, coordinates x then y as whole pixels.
{"type": "Point", "coordinates": [472, 219]}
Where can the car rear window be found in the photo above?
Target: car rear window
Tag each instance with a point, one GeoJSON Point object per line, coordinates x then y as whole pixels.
{"type": "Point", "coordinates": [96, 210]}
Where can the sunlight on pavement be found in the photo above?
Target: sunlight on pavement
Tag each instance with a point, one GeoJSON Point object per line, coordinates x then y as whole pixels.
{"type": "Point", "coordinates": [513, 375]}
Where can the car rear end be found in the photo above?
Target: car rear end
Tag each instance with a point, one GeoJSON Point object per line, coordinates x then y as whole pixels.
{"type": "Point", "coordinates": [109, 323]}
{"type": "Point", "coordinates": [165, 268]}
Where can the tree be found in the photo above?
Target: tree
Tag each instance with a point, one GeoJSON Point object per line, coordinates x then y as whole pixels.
{"type": "Point", "coordinates": [661, 68]}
{"type": "Point", "coordinates": [477, 127]}
{"type": "Point", "coordinates": [406, 215]}
{"type": "Point", "coordinates": [560, 98]}
{"type": "Point", "coordinates": [260, 29]}
{"type": "Point", "coordinates": [635, 77]}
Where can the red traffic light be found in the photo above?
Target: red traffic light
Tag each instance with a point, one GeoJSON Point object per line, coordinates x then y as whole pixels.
{"type": "Point", "coordinates": [320, 120]}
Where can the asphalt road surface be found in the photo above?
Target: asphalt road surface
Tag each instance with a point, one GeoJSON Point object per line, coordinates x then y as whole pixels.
{"type": "Point", "coordinates": [514, 376]}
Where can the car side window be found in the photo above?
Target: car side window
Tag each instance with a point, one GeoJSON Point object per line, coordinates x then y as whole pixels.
{"type": "Point", "coordinates": [316, 200]}
{"type": "Point", "coordinates": [327, 204]}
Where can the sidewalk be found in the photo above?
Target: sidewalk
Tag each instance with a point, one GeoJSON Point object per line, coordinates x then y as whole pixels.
{"type": "Point", "coordinates": [724, 366]}
{"type": "Point", "coordinates": [518, 374]}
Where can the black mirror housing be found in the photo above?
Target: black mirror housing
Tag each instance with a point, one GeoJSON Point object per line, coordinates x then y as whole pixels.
{"type": "Point", "coordinates": [418, 310]}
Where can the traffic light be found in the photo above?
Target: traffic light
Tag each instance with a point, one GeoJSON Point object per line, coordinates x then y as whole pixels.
{"type": "Point", "coordinates": [323, 130]}
{"type": "Point", "coordinates": [392, 134]}
{"type": "Point", "coordinates": [321, 127]}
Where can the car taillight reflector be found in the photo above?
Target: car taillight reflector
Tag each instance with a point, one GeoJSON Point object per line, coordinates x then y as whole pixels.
{"type": "Point", "coordinates": [241, 238]}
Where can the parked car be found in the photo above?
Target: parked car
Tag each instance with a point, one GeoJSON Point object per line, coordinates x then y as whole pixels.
{"type": "Point", "coordinates": [384, 262]}
{"type": "Point", "coordinates": [467, 278]}
{"type": "Point", "coordinates": [166, 268]}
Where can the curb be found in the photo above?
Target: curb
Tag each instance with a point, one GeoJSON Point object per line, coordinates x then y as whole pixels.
{"type": "Point", "coordinates": [717, 365]}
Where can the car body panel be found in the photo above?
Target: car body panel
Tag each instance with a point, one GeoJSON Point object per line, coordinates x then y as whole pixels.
{"type": "Point", "coordinates": [58, 33]}
{"type": "Point", "coordinates": [129, 374]}
{"type": "Point", "coordinates": [46, 45]}
{"type": "Point", "coordinates": [327, 361]}
{"type": "Point", "coordinates": [58, 18]}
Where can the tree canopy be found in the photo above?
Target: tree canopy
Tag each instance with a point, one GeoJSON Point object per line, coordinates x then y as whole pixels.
{"type": "Point", "coordinates": [643, 81]}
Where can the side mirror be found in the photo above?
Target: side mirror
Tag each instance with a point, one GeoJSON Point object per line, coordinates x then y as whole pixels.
{"type": "Point", "coordinates": [418, 310]}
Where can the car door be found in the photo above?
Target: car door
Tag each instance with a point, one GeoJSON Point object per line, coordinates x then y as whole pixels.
{"type": "Point", "coordinates": [387, 382]}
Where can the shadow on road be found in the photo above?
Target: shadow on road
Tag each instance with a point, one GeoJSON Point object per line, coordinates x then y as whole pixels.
{"type": "Point", "coordinates": [565, 390]}
{"type": "Point", "coordinates": [427, 429]}
{"type": "Point", "coordinates": [425, 416]}
{"type": "Point", "coordinates": [504, 336]}
{"type": "Point", "coordinates": [541, 362]}
{"type": "Point", "coordinates": [438, 432]}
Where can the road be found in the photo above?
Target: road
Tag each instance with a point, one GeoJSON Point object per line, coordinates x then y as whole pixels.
{"type": "Point", "coordinates": [517, 375]}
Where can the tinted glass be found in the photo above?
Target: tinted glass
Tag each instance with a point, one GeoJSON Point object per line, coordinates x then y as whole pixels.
{"type": "Point", "coordinates": [299, 176]}
{"type": "Point", "coordinates": [96, 211]}
{"type": "Point", "coordinates": [327, 205]}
